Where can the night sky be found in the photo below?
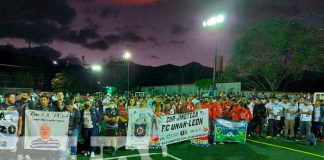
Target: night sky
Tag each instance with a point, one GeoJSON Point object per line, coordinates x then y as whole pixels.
{"type": "Point", "coordinates": [161, 32]}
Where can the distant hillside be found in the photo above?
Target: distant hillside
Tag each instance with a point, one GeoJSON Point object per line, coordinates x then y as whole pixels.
{"type": "Point", "coordinates": [116, 74]}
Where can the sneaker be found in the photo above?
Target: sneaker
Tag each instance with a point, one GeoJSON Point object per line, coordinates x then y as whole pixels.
{"type": "Point", "coordinates": [73, 157]}
{"type": "Point", "coordinates": [92, 155]}
{"type": "Point", "coordinates": [86, 153]}
{"type": "Point", "coordinates": [13, 150]}
{"type": "Point", "coordinates": [27, 157]}
{"type": "Point", "coordinates": [20, 157]}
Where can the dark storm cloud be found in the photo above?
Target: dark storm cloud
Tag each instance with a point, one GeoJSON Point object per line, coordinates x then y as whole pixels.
{"type": "Point", "coordinates": [34, 20]}
{"type": "Point", "coordinates": [113, 39]}
{"type": "Point", "coordinates": [130, 36]}
{"type": "Point", "coordinates": [250, 12]}
{"type": "Point", "coordinates": [176, 42]}
{"type": "Point", "coordinates": [81, 36]}
{"type": "Point", "coordinates": [90, 10]}
{"type": "Point", "coordinates": [133, 37]}
{"type": "Point", "coordinates": [83, 1]}
{"type": "Point", "coordinates": [153, 40]}
{"type": "Point", "coordinates": [99, 44]}
{"type": "Point", "coordinates": [127, 28]}
{"type": "Point", "coordinates": [110, 11]}
{"type": "Point", "coordinates": [178, 29]}
{"type": "Point", "coordinates": [155, 57]}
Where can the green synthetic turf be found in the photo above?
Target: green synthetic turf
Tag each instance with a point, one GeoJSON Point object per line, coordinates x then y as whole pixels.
{"type": "Point", "coordinates": [248, 151]}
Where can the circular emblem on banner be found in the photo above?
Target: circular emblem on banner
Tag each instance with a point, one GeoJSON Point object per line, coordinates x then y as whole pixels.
{"type": "Point", "coordinates": [140, 130]}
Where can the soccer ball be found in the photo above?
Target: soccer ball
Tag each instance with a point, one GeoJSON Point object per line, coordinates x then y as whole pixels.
{"type": "Point", "coordinates": [229, 135]}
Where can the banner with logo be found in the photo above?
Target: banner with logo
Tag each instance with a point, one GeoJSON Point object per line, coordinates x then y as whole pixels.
{"type": "Point", "coordinates": [181, 127]}
{"type": "Point", "coordinates": [139, 128]}
{"type": "Point", "coordinates": [46, 130]}
{"type": "Point", "coordinates": [230, 131]}
{"type": "Point", "coordinates": [8, 129]}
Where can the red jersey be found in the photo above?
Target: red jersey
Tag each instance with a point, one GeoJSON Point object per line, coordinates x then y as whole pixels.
{"type": "Point", "coordinates": [123, 112]}
{"type": "Point", "coordinates": [216, 111]}
{"type": "Point", "coordinates": [188, 107]}
{"type": "Point", "coordinates": [246, 115]}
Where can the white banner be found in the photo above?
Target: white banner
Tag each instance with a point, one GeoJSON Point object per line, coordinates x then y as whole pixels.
{"type": "Point", "coordinates": [8, 129]}
{"type": "Point", "coordinates": [46, 130]}
{"type": "Point", "coordinates": [139, 128]}
{"type": "Point", "coordinates": [181, 127]}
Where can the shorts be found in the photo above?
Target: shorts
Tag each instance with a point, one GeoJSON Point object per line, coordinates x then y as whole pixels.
{"type": "Point", "coordinates": [112, 131]}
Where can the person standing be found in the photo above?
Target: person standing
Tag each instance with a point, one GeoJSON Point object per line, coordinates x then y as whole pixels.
{"type": "Point", "coordinates": [259, 115]}
{"type": "Point", "coordinates": [322, 121]}
{"type": "Point", "coordinates": [274, 111]}
{"type": "Point", "coordinates": [89, 125]}
{"type": "Point", "coordinates": [74, 120]}
{"type": "Point", "coordinates": [316, 126]}
{"type": "Point", "coordinates": [9, 104]}
{"type": "Point", "coordinates": [59, 103]}
{"type": "Point", "coordinates": [306, 111]}
{"type": "Point", "coordinates": [111, 118]}
{"type": "Point", "coordinates": [290, 116]}
{"type": "Point", "coordinates": [24, 104]}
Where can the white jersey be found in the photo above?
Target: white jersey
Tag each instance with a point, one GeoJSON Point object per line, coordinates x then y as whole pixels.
{"type": "Point", "coordinates": [284, 106]}
{"type": "Point", "coordinates": [291, 116]}
{"type": "Point", "coordinates": [251, 107]}
{"type": "Point", "coordinates": [317, 113]}
{"type": "Point", "coordinates": [303, 108]}
{"type": "Point", "coordinates": [275, 109]}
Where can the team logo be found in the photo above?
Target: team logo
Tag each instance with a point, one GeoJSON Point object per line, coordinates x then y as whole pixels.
{"type": "Point", "coordinates": [140, 130]}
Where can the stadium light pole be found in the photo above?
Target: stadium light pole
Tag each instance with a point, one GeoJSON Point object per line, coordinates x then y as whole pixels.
{"type": "Point", "coordinates": [97, 68]}
{"type": "Point", "coordinates": [127, 56]}
{"type": "Point", "coordinates": [211, 22]}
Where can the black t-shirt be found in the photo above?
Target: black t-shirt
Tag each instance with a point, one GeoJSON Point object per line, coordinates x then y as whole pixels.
{"type": "Point", "coordinates": [111, 113]}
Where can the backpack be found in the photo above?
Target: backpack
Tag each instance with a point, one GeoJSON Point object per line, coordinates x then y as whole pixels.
{"type": "Point", "coordinates": [310, 139]}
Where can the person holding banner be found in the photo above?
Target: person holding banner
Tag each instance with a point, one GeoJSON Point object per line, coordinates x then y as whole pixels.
{"type": "Point", "coordinates": [44, 105]}
{"type": "Point", "coordinates": [246, 114]}
{"type": "Point", "coordinates": [188, 106]}
{"type": "Point", "coordinates": [201, 141]}
{"type": "Point", "coordinates": [131, 104]}
{"type": "Point", "coordinates": [123, 119]}
{"type": "Point", "coordinates": [9, 106]}
{"type": "Point", "coordinates": [154, 142]}
{"type": "Point", "coordinates": [74, 120]}
{"type": "Point", "coordinates": [59, 104]}
{"type": "Point", "coordinates": [24, 104]}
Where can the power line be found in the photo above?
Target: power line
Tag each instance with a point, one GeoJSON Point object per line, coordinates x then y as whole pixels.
{"type": "Point", "coordinates": [10, 65]}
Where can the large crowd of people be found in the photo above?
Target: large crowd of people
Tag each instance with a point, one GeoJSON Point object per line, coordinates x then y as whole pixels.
{"type": "Point", "coordinates": [291, 117]}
